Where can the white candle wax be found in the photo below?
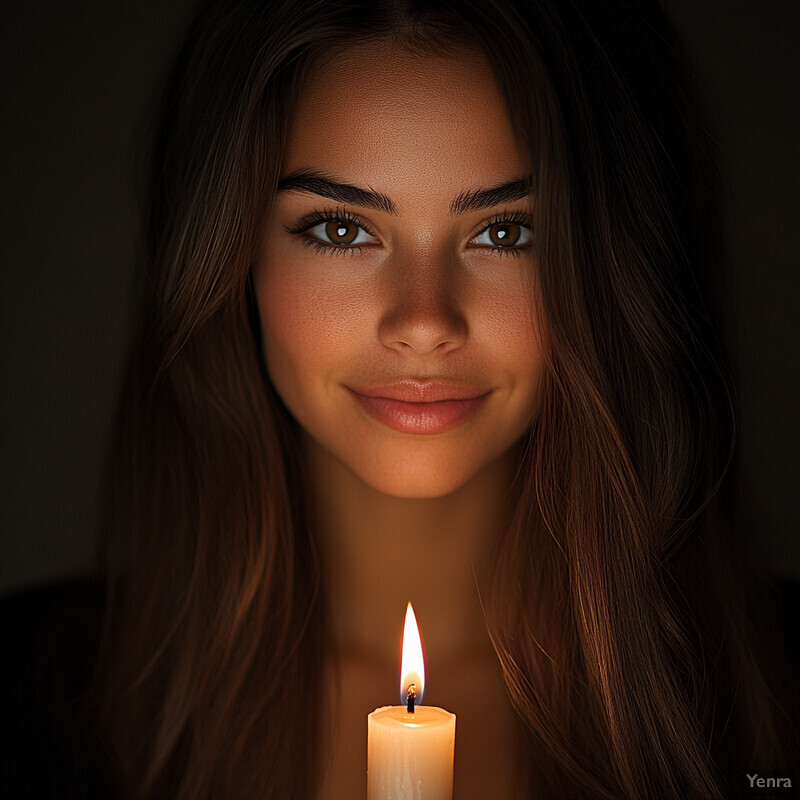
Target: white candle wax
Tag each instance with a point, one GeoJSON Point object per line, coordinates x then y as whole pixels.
{"type": "Point", "coordinates": [410, 756]}
{"type": "Point", "coordinates": [410, 749]}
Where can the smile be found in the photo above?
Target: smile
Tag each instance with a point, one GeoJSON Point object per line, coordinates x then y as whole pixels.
{"type": "Point", "coordinates": [419, 407]}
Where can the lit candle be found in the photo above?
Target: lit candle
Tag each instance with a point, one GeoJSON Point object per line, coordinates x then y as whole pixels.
{"type": "Point", "coordinates": [410, 749]}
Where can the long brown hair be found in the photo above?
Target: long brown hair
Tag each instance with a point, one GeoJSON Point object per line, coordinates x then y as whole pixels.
{"type": "Point", "coordinates": [613, 614]}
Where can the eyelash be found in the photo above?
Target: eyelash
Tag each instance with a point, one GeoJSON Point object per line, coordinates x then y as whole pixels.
{"type": "Point", "coordinates": [343, 215]}
{"type": "Point", "coordinates": [329, 215]}
{"type": "Point", "coordinates": [505, 217]}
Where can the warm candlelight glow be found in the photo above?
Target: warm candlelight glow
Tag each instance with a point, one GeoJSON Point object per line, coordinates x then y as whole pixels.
{"type": "Point", "coordinates": [410, 748]}
{"type": "Point", "coordinates": [413, 664]}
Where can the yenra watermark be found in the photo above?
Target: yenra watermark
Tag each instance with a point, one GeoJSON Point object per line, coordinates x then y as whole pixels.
{"type": "Point", "coordinates": [769, 783]}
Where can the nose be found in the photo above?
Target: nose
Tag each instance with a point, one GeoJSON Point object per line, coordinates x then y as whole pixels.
{"type": "Point", "coordinates": [424, 315]}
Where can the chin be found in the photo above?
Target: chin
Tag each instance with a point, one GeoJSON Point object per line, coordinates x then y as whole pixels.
{"type": "Point", "coordinates": [425, 469]}
{"type": "Point", "coordinates": [416, 481]}
{"type": "Point", "coordinates": [414, 490]}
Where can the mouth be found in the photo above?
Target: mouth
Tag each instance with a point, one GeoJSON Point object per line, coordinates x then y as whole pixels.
{"type": "Point", "coordinates": [421, 407]}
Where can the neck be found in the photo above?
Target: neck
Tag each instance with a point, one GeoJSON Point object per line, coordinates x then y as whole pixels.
{"type": "Point", "coordinates": [379, 552]}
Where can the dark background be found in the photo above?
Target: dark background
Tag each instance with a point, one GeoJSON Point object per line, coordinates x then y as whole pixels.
{"type": "Point", "coordinates": [77, 82]}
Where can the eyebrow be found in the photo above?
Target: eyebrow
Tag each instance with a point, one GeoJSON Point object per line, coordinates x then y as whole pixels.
{"type": "Point", "coordinates": [471, 200]}
{"type": "Point", "coordinates": [323, 185]}
{"type": "Point", "coordinates": [477, 199]}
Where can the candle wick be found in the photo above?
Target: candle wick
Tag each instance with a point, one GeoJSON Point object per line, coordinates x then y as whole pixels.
{"type": "Point", "coordinates": [412, 696]}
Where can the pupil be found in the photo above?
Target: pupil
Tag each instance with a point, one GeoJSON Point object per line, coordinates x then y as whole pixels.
{"type": "Point", "coordinates": [341, 232]}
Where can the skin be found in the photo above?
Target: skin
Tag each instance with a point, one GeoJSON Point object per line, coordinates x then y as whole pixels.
{"type": "Point", "coordinates": [404, 516]}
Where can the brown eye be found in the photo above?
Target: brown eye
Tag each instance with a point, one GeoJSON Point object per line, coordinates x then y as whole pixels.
{"type": "Point", "coordinates": [340, 231]}
{"type": "Point", "coordinates": [504, 234]}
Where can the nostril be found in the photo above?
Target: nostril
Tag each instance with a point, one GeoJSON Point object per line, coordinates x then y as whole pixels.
{"type": "Point", "coordinates": [423, 331]}
{"type": "Point", "coordinates": [424, 312]}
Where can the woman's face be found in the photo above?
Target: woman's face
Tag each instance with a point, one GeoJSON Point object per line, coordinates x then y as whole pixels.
{"type": "Point", "coordinates": [397, 294]}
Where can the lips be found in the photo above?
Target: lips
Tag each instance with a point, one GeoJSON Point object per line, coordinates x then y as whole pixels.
{"type": "Point", "coordinates": [421, 407]}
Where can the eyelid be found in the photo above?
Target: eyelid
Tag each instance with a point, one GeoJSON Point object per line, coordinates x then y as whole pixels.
{"type": "Point", "coordinates": [521, 218]}
{"type": "Point", "coordinates": [317, 216]}
{"type": "Point", "coordinates": [518, 217]}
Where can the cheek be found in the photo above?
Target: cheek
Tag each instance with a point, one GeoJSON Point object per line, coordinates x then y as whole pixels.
{"type": "Point", "coordinates": [306, 321]}
{"type": "Point", "coordinates": [289, 326]}
{"type": "Point", "coordinates": [511, 320]}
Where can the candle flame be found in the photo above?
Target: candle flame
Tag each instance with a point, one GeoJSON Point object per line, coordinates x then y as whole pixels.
{"type": "Point", "coordinates": [412, 670]}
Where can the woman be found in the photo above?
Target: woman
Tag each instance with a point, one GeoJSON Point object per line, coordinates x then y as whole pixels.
{"type": "Point", "coordinates": [424, 319]}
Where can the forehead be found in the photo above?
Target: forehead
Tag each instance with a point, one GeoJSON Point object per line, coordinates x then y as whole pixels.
{"type": "Point", "coordinates": [404, 123]}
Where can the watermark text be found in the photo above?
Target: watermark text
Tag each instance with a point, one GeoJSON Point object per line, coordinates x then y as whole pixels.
{"type": "Point", "coordinates": [768, 783]}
